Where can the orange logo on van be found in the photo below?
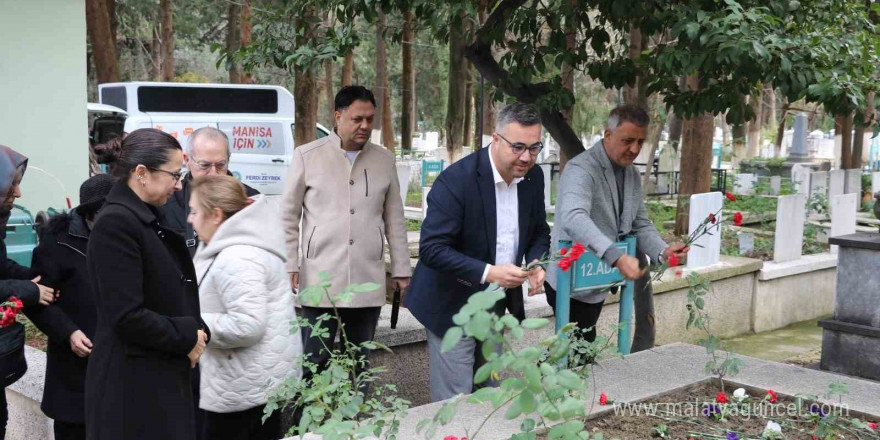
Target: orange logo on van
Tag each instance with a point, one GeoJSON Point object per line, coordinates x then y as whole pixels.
{"type": "Point", "coordinates": [187, 131]}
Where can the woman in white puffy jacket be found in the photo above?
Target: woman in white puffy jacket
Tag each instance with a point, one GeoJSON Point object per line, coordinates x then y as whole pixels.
{"type": "Point", "coordinates": [247, 303]}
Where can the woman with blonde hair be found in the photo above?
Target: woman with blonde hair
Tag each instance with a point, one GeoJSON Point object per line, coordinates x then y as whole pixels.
{"type": "Point", "coordinates": [247, 303]}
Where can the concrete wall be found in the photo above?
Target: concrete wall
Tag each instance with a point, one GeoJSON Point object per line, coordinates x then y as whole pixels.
{"type": "Point", "coordinates": [43, 93]}
{"type": "Point", "coordinates": [794, 291]}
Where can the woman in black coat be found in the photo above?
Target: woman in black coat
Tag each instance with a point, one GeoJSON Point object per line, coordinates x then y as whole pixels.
{"type": "Point", "coordinates": [60, 260]}
{"type": "Point", "coordinates": [149, 334]}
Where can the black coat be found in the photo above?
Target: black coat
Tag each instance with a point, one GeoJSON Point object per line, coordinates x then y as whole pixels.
{"type": "Point", "coordinates": [15, 278]}
{"type": "Point", "coordinates": [61, 261]}
{"type": "Point", "coordinates": [139, 380]}
{"type": "Point", "coordinates": [176, 210]}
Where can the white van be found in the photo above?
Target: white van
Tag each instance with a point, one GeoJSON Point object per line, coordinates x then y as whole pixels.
{"type": "Point", "coordinates": [258, 120]}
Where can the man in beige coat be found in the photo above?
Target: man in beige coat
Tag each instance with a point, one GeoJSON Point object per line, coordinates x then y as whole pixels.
{"type": "Point", "coordinates": [345, 191]}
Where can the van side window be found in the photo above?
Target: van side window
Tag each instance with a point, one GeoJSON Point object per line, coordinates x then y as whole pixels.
{"type": "Point", "coordinates": [319, 132]}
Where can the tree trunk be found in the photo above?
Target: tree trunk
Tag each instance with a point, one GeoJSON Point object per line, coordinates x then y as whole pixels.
{"type": "Point", "coordinates": [247, 28]}
{"type": "Point", "coordinates": [455, 101]}
{"type": "Point", "coordinates": [636, 94]}
{"type": "Point", "coordinates": [329, 94]}
{"type": "Point", "coordinates": [675, 123]}
{"type": "Point", "coordinates": [696, 161]}
{"type": "Point", "coordinates": [347, 69]}
{"type": "Point", "coordinates": [770, 93]}
{"type": "Point", "coordinates": [233, 40]}
{"type": "Point", "coordinates": [156, 55]}
{"type": "Point", "coordinates": [843, 125]}
{"type": "Point", "coordinates": [167, 18]}
{"type": "Point", "coordinates": [754, 136]}
{"type": "Point", "coordinates": [114, 23]}
{"type": "Point", "coordinates": [780, 131]}
{"type": "Point", "coordinates": [568, 72]}
{"type": "Point", "coordinates": [383, 109]}
{"type": "Point", "coordinates": [857, 144]}
{"type": "Point", "coordinates": [407, 114]}
{"type": "Point", "coordinates": [468, 106]}
{"type": "Point", "coordinates": [725, 130]}
{"type": "Point", "coordinates": [305, 88]}
{"type": "Point", "coordinates": [653, 139]}
{"type": "Point", "coordinates": [103, 41]}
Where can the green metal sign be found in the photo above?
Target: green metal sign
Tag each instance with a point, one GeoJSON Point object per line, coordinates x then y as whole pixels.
{"type": "Point", "coordinates": [430, 170]}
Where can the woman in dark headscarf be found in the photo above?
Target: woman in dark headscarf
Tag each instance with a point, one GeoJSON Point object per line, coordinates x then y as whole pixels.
{"type": "Point", "coordinates": [14, 278]}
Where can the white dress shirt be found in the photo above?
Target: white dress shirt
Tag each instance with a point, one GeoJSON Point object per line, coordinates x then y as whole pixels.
{"type": "Point", "coordinates": [507, 219]}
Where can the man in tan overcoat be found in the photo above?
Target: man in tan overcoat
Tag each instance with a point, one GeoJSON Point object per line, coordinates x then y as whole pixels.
{"type": "Point", "coordinates": [345, 191]}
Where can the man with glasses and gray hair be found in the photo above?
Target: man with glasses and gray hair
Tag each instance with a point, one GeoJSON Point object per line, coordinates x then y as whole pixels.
{"type": "Point", "coordinates": [206, 153]}
{"type": "Point", "coordinates": [600, 202]}
{"type": "Point", "coordinates": [485, 218]}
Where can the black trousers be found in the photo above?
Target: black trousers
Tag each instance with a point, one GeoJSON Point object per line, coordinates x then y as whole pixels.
{"type": "Point", "coordinates": [586, 315]}
{"type": "Point", "coordinates": [359, 326]}
{"type": "Point", "coordinates": [242, 425]}
{"type": "Point", "coordinates": [69, 431]}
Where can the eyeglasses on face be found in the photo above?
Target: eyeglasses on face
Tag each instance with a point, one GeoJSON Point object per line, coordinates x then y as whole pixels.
{"type": "Point", "coordinates": [519, 147]}
{"type": "Point", "coordinates": [205, 166]}
{"type": "Point", "coordinates": [176, 175]}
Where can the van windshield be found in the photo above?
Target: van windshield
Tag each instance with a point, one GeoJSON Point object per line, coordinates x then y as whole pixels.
{"type": "Point", "coordinates": [206, 100]}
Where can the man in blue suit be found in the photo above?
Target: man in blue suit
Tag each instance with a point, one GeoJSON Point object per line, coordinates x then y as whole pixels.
{"type": "Point", "coordinates": [485, 217]}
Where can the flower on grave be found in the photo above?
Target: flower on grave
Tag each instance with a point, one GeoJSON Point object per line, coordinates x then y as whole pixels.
{"type": "Point", "coordinates": [721, 398]}
{"type": "Point", "coordinates": [712, 218]}
{"type": "Point", "coordinates": [816, 409]}
{"type": "Point", "coordinates": [772, 427]}
{"type": "Point", "coordinates": [738, 219]}
{"type": "Point", "coordinates": [730, 197]}
{"type": "Point", "coordinates": [732, 436]}
{"type": "Point", "coordinates": [563, 251]}
{"type": "Point", "coordinates": [672, 261]}
{"type": "Point", "coordinates": [740, 394]}
{"type": "Point", "coordinates": [711, 410]}
{"type": "Point", "coordinates": [604, 400]}
{"type": "Point", "coordinates": [872, 426]}
{"type": "Point", "coordinates": [452, 437]}
{"type": "Point", "coordinates": [771, 396]}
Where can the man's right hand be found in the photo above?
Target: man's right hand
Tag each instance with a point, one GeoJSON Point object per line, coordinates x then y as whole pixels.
{"type": "Point", "coordinates": [80, 344]}
{"type": "Point", "coordinates": [47, 294]}
{"type": "Point", "coordinates": [628, 267]}
{"type": "Point", "coordinates": [196, 352]}
{"type": "Point", "coordinates": [294, 281]}
{"type": "Point", "coordinates": [507, 276]}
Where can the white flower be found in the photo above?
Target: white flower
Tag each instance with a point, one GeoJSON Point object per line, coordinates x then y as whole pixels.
{"type": "Point", "coordinates": [773, 427]}
{"type": "Point", "coordinates": [740, 394]}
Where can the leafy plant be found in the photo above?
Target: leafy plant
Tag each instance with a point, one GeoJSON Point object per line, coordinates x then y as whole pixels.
{"type": "Point", "coordinates": [720, 365]}
{"type": "Point", "coordinates": [333, 399]}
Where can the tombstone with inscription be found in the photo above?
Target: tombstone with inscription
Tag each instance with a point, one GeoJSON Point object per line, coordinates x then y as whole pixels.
{"type": "Point", "coordinates": [800, 179]}
{"type": "Point", "coordinates": [853, 183]}
{"type": "Point", "coordinates": [789, 237]}
{"type": "Point", "coordinates": [799, 150]}
{"type": "Point", "coordinates": [836, 183]}
{"type": "Point", "coordinates": [843, 216]}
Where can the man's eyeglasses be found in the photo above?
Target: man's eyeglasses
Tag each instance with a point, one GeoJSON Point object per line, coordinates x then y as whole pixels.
{"type": "Point", "coordinates": [176, 175]}
{"type": "Point", "coordinates": [205, 166]}
{"type": "Point", "coordinates": [519, 147]}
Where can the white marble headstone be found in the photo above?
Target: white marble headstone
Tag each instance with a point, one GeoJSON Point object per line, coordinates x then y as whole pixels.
{"type": "Point", "coordinates": [853, 182]}
{"type": "Point", "coordinates": [836, 183]}
{"type": "Point", "coordinates": [744, 184]}
{"type": "Point", "coordinates": [701, 206]}
{"type": "Point", "coordinates": [775, 184]}
{"type": "Point", "coordinates": [819, 183]}
{"type": "Point", "coordinates": [548, 176]}
{"type": "Point", "coordinates": [800, 179]}
{"type": "Point", "coordinates": [843, 215]}
{"type": "Point", "coordinates": [789, 237]}
{"type": "Point", "coordinates": [403, 174]}
{"type": "Point", "coordinates": [875, 182]}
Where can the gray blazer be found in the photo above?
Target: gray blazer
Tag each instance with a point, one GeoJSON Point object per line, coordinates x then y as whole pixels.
{"type": "Point", "coordinates": [586, 212]}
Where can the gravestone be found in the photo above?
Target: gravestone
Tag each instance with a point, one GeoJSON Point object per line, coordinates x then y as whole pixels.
{"type": "Point", "coordinates": [707, 249]}
{"type": "Point", "coordinates": [746, 242]}
{"type": "Point", "coordinates": [789, 237]}
{"type": "Point", "coordinates": [799, 150]}
{"type": "Point", "coordinates": [853, 182]}
{"type": "Point", "coordinates": [669, 163]}
{"type": "Point", "coordinates": [843, 216]}
{"type": "Point", "coordinates": [744, 184]}
{"type": "Point", "coordinates": [403, 174]}
{"type": "Point", "coordinates": [800, 179]}
{"type": "Point", "coordinates": [775, 185]}
{"type": "Point", "coordinates": [818, 186]}
{"type": "Point", "coordinates": [875, 182]}
{"type": "Point", "coordinates": [836, 183]}
{"type": "Point", "coordinates": [548, 176]}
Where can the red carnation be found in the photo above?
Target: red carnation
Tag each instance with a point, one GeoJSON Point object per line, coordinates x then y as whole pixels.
{"type": "Point", "coordinates": [731, 197]}
{"type": "Point", "coordinates": [673, 260]}
{"type": "Point", "coordinates": [603, 399]}
{"type": "Point", "coordinates": [576, 251]}
{"type": "Point", "coordinates": [771, 396]}
{"type": "Point", "coordinates": [564, 264]}
{"type": "Point", "coordinates": [18, 304]}
{"type": "Point", "coordinates": [872, 425]}
{"type": "Point", "coordinates": [8, 317]}
{"type": "Point", "coordinates": [738, 219]}
{"type": "Point", "coordinates": [450, 437]}
{"type": "Point", "coordinates": [712, 218]}
{"type": "Point", "coordinates": [721, 398]}
{"type": "Point", "coordinates": [563, 251]}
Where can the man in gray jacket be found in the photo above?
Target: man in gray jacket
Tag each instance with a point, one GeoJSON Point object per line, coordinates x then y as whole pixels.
{"type": "Point", "coordinates": [599, 203]}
